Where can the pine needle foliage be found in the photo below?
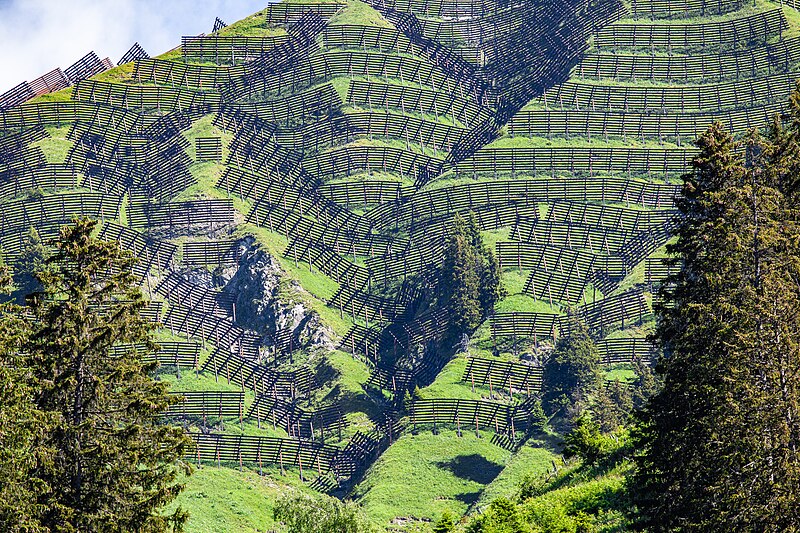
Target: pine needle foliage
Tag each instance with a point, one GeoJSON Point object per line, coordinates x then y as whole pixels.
{"type": "Point", "coordinates": [28, 264]}
{"type": "Point", "coordinates": [470, 277]}
{"type": "Point", "coordinates": [114, 463]}
{"type": "Point", "coordinates": [719, 445]}
{"type": "Point", "coordinates": [22, 425]}
{"type": "Point", "coordinates": [571, 373]}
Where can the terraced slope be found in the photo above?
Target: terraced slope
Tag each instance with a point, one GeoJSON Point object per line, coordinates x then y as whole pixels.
{"type": "Point", "coordinates": [342, 138]}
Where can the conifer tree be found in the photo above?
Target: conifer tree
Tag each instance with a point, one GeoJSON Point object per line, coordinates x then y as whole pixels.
{"type": "Point", "coordinates": [584, 440]}
{"type": "Point", "coordinates": [487, 268]}
{"type": "Point", "coordinates": [470, 277]}
{"type": "Point", "coordinates": [491, 289]}
{"type": "Point", "coordinates": [646, 385]}
{"type": "Point", "coordinates": [115, 462]}
{"type": "Point", "coordinates": [572, 372]}
{"type": "Point", "coordinates": [30, 262]}
{"type": "Point", "coordinates": [719, 443]}
{"type": "Point", "coordinates": [445, 524]}
{"type": "Point", "coordinates": [694, 330]}
{"type": "Point", "coordinates": [22, 425]}
{"type": "Point", "coordinates": [460, 286]}
{"type": "Point", "coordinates": [612, 407]}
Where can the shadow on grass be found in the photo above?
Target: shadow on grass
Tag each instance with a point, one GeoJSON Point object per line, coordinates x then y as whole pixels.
{"type": "Point", "coordinates": [472, 468]}
{"type": "Point", "coordinates": [468, 498]}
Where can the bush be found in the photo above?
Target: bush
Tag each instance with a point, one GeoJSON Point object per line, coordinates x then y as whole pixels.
{"type": "Point", "coordinates": [585, 441]}
{"type": "Point", "coordinates": [502, 516]}
{"type": "Point", "coordinates": [303, 514]}
{"type": "Point", "coordinates": [446, 523]}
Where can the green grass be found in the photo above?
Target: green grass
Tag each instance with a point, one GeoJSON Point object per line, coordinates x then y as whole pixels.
{"type": "Point", "coordinates": [171, 55]}
{"type": "Point", "coordinates": [208, 173]}
{"type": "Point", "coordinates": [190, 382]}
{"type": "Point", "coordinates": [492, 237]}
{"type": "Point", "coordinates": [634, 331]}
{"type": "Point", "coordinates": [224, 499]}
{"type": "Point", "coordinates": [596, 492]}
{"type": "Point", "coordinates": [342, 86]}
{"type": "Point", "coordinates": [420, 476]}
{"type": "Point", "coordinates": [534, 458]}
{"type": "Point", "coordinates": [792, 18]}
{"type": "Point", "coordinates": [450, 179]}
{"type": "Point", "coordinates": [64, 95]}
{"type": "Point", "coordinates": [393, 143]}
{"type": "Point", "coordinates": [747, 9]}
{"type": "Point", "coordinates": [361, 14]}
{"type": "Point", "coordinates": [522, 303]}
{"type": "Point", "coordinates": [576, 141]}
{"type": "Point", "coordinates": [620, 372]}
{"type": "Point", "coordinates": [514, 283]}
{"type": "Point", "coordinates": [347, 389]}
{"type": "Point", "coordinates": [57, 146]}
{"type": "Point", "coordinates": [120, 74]}
{"type": "Point", "coordinates": [252, 26]}
{"type": "Point", "coordinates": [448, 382]}
{"type": "Point", "coordinates": [443, 119]}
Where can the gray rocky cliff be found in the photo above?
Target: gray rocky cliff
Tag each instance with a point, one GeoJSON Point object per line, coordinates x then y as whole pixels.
{"type": "Point", "coordinates": [270, 304]}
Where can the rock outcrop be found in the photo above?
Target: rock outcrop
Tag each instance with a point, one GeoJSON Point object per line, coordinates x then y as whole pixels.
{"type": "Point", "coordinates": [270, 304]}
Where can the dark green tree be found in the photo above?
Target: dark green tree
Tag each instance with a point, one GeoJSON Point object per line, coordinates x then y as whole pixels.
{"type": "Point", "coordinates": [677, 425]}
{"type": "Point", "coordinates": [646, 384]}
{"type": "Point", "coordinates": [585, 440]}
{"type": "Point", "coordinates": [490, 288]}
{"type": "Point", "coordinates": [115, 463]}
{"type": "Point", "coordinates": [30, 262]}
{"type": "Point", "coordinates": [470, 277]}
{"type": "Point", "coordinates": [719, 443]}
{"type": "Point", "coordinates": [572, 372]}
{"type": "Point", "coordinates": [612, 406]}
{"type": "Point", "coordinates": [445, 524]}
{"type": "Point", "coordinates": [23, 425]}
{"type": "Point", "coordinates": [459, 285]}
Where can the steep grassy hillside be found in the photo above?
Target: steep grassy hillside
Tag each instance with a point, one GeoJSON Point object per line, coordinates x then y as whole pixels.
{"type": "Point", "coordinates": [289, 184]}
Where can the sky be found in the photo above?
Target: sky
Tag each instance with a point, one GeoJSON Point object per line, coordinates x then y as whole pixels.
{"type": "Point", "coordinates": [37, 36]}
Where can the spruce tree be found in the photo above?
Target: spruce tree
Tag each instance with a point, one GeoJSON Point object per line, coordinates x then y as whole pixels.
{"type": "Point", "coordinates": [28, 264]}
{"type": "Point", "coordinates": [115, 463]}
{"type": "Point", "coordinates": [572, 372]}
{"type": "Point", "coordinates": [719, 443]}
{"type": "Point", "coordinates": [490, 288]}
{"type": "Point", "coordinates": [677, 427]}
{"type": "Point", "coordinates": [584, 440]}
{"type": "Point", "coordinates": [460, 283]}
{"type": "Point", "coordinates": [470, 277]}
{"type": "Point", "coordinates": [445, 524]}
{"type": "Point", "coordinates": [646, 385]}
{"type": "Point", "coordinates": [612, 407]}
{"type": "Point", "coordinates": [22, 425]}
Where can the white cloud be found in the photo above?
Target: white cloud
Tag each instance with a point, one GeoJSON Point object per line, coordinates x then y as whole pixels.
{"type": "Point", "coordinates": [37, 36]}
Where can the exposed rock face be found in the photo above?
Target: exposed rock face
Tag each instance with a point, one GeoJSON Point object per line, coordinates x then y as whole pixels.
{"type": "Point", "coordinates": [268, 303]}
{"type": "Point", "coordinates": [199, 276]}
